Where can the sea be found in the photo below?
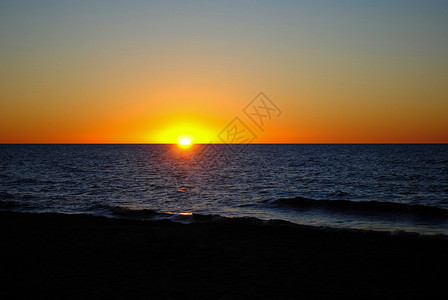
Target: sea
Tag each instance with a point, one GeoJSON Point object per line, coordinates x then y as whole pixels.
{"type": "Point", "coordinates": [381, 187]}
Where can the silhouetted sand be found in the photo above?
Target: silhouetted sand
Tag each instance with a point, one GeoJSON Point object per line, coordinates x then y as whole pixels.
{"type": "Point", "coordinates": [79, 256]}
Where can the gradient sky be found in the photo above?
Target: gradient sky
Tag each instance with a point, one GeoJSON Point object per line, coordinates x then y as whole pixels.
{"type": "Point", "coordinates": [149, 71]}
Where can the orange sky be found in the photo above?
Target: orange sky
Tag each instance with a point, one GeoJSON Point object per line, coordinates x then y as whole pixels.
{"type": "Point", "coordinates": [150, 72]}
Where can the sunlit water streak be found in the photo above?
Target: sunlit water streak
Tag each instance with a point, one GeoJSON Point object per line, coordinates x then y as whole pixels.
{"type": "Point", "coordinates": [231, 181]}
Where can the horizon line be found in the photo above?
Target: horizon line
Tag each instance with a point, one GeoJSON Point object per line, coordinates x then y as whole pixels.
{"type": "Point", "coordinates": [304, 143]}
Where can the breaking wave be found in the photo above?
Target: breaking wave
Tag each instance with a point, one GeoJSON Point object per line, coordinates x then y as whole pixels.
{"type": "Point", "coordinates": [369, 208]}
{"type": "Point", "coordinates": [144, 214]}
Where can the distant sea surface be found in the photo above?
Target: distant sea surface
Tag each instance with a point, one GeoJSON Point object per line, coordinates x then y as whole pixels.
{"type": "Point", "coordinates": [374, 187]}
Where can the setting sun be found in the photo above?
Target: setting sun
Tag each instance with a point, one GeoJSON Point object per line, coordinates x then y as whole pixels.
{"type": "Point", "coordinates": [184, 141]}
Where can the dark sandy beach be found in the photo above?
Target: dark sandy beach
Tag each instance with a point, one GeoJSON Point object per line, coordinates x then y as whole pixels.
{"type": "Point", "coordinates": [80, 256]}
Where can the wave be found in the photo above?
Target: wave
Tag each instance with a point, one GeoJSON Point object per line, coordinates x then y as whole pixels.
{"type": "Point", "coordinates": [375, 208]}
{"type": "Point", "coordinates": [183, 217]}
{"type": "Point", "coordinates": [192, 218]}
{"type": "Point", "coordinates": [147, 215]}
{"type": "Point", "coordinates": [120, 211]}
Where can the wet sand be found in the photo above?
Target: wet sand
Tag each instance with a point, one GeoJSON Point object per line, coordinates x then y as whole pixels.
{"type": "Point", "coordinates": [80, 256]}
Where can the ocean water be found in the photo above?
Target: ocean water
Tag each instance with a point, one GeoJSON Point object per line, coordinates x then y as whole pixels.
{"type": "Point", "coordinates": [374, 187]}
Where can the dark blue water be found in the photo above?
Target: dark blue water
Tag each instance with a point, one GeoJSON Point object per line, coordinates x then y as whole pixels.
{"type": "Point", "coordinates": [378, 187]}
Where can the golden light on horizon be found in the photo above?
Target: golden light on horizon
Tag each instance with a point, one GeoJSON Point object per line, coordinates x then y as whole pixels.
{"type": "Point", "coordinates": [172, 128]}
{"type": "Point", "coordinates": [185, 141]}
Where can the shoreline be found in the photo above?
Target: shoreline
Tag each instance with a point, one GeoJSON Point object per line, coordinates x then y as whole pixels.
{"type": "Point", "coordinates": [430, 215]}
{"type": "Point", "coordinates": [84, 256]}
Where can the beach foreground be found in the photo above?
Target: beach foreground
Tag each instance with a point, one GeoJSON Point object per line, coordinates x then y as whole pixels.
{"type": "Point", "coordinates": [81, 256]}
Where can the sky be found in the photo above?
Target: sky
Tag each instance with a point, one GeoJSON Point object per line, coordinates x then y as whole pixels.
{"type": "Point", "coordinates": [152, 71]}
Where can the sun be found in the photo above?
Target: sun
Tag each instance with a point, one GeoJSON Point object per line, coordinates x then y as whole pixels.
{"type": "Point", "coordinates": [185, 141]}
